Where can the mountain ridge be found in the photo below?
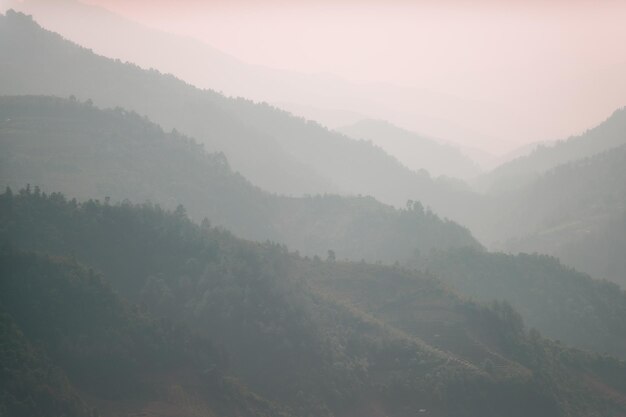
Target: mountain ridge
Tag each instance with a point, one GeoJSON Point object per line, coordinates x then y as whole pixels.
{"type": "Point", "coordinates": [86, 152]}
{"type": "Point", "coordinates": [262, 143]}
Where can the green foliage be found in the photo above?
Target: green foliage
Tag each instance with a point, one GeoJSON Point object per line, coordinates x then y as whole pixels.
{"type": "Point", "coordinates": [560, 302]}
{"type": "Point", "coordinates": [576, 212]}
{"type": "Point", "coordinates": [490, 339]}
{"type": "Point", "coordinates": [107, 349]}
{"type": "Point", "coordinates": [29, 384]}
{"type": "Point", "coordinates": [102, 345]}
{"type": "Point", "coordinates": [66, 146]}
{"type": "Point", "coordinates": [322, 338]}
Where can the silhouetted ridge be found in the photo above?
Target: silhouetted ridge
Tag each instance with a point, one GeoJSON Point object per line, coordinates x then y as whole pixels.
{"type": "Point", "coordinates": [323, 337]}
{"type": "Point", "coordinates": [274, 150]}
{"type": "Point", "coordinates": [60, 144]}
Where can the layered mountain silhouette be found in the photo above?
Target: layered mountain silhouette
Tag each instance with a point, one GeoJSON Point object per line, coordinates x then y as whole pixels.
{"type": "Point", "coordinates": [85, 152]}
{"type": "Point", "coordinates": [414, 151]}
{"type": "Point", "coordinates": [317, 337]}
{"type": "Point", "coordinates": [170, 251]}
{"type": "Point", "coordinates": [520, 171]}
{"type": "Point", "coordinates": [575, 211]}
{"type": "Point", "coordinates": [205, 66]}
{"type": "Point", "coordinates": [273, 149]}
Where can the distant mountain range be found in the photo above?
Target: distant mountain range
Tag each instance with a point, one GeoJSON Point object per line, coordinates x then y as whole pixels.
{"type": "Point", "coordinates": [414, 151]}
{"type": "Point", "coordinates": [206, 67]}
{"type": "Point", "coordinates": [273, 149]}
{"type": "Point", "coordinates": [576, 211]}
{"type": "Point", "coordinates": [567, 199]}
{"type": "Point", "coordinates": [123, 291]}
{"type": "Point", "coordinates": [312, 337]}
{"type": "Point", "coordinates": [609, 134]}
{"type": "Point", "coordinates": [85, 152]}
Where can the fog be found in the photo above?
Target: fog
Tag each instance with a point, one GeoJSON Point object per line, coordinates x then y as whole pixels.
{"type": "Point", "coordinates": [493, 77]}
{"type": "Point", "coordinates": [298, 209]}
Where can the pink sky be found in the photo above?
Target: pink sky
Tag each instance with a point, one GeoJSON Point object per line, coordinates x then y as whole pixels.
{"type": "Point", "coordinates": [423, 43]}
{"type": "Point", "coordinates": [556, 67]}
{"type": "Point", "coordinates": [526, 55]}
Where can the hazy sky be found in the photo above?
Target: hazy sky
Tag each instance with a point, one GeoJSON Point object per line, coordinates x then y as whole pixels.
{"type": "Point", "coordinates": [487, 49]}
{"type": "Point", "coordinates": [555, 67]}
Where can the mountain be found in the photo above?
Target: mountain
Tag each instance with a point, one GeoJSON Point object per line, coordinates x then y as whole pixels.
{"type": "Point", "coordinates": [313, 96]}
{"type": "Point", "coordinates": [576, 212]}
{"type": "Point", "coordinates": [560, 302]}
{"type": "Point", "coordinates": [31, 385]}
{"type": "Point", "coordinates": [260, 142]}
{"type": "Point", "coordinates": [85, 152]}
{"type": "Point", "coordinates": [608, 134]}
{"type": "Point", "coordinates": [567, 200]}
{"type": "Point", "coordinates": [318, 337]}
{"type": "Point", "coordinates": [414, 151]}
{"type": "Point", "coordinates": [70, 346]}
{"type": "Point", "coordinates": [72, 70]}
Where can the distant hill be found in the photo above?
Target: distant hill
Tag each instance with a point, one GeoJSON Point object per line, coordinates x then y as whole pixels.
{"type": "Point", "coordinates": [567, 200]}
{"type": "Point", "coordinates": [274, 150]}
{"type": "Point", "coordinates": [577, 212]}
{"type": "Point", "coordinates": [319, 337]}
{"type": "Point", "coordinates": [85, 152]}
{"type": "Point", "coordinates": [313, 96]}
{"type": "Point", "coordinates": [415, 151]}
{"type": "Point", "coordinates": [558, 301]}
{"type": "Point", "coordinates": [520, 171]}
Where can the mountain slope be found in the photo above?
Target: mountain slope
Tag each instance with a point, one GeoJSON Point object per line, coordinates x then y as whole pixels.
{"type": "Point", "coordinates": [567, 200]}
{"type": "Point", "coordinates": [85, 152]}
{"type": "Point", "coordinates": [609, 134]}
{"type": "Point", "coordinates": [320, 336]}
{"type": "Point", "coordinates": [558, 301]}
{"type": "Point", "coordinates": [29, 383]}
{"type": "Point", "coordinates": [72, 70]}
{"type": "Point", "coordinates": [206, 67]}
{"type": "Point", "coordinates": [414, 151]}
{"type": "Point", "coordinates": [576, 212]}
{"type": "Point", "coordinates": [105, 357]}
{"type": "Point", "coordinates": [261, 142]}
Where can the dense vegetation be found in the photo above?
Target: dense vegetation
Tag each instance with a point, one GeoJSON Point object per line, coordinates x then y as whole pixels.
{"type": "Point", "coordinates": [77, 148]}
{"type": "Point", "coordinates": [567, 200]}
{"type": "Point", "coordinates": [319, 336]}
{"type": "Point", "coordinates": [29, 384]}
{"type": "Point", "coordinates": [576, 212]}
{"type": "Point", "coordinates": [273, 149]}
{"type": "Point", "coordinates": [85, 152]}
{"type": "Point", "coordinates": [560, 302]}
{"type": "Point", "coordinates": [66, 336]}
{"type": "Point", "coordinates": [110, 308]}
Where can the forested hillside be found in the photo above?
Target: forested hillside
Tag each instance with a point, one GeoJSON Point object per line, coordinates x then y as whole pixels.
{"type": "Point", "coordinates": [30, 384]}
{"type": "Point", "coordinates": [170, 251]}
{"type": "Point", "coordinates": [562, 303]}
{"type": "Point", "coordinates": [71, 347]}
{"type": "Point", "coordinates": [271, 148]}
{"type": "Point", "coordinates": [296, 336]}
{"type": "Point", "coordinates": [85, 152]}
{"type": "Point", "coordinates": [575, 211]}
{"type": "Point", "coordinates": [608, 134]}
